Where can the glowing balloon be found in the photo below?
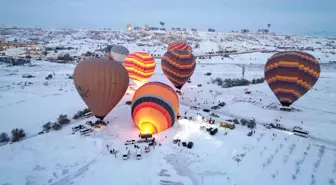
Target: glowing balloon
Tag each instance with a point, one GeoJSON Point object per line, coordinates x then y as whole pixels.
{"type": "Point", "coordinates": [140, 66]}
{"type": "Point", "coordinates": [155, 107]}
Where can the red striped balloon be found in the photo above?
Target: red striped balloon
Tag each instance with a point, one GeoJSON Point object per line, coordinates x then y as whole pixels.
{"type": "Point", "coordinates": [179, 45]}
{"type": "Point", "coordinates": [140, 66]}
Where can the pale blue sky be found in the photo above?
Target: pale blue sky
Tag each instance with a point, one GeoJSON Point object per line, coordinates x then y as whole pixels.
{"type": "Point", "coordinates": [287, 16]}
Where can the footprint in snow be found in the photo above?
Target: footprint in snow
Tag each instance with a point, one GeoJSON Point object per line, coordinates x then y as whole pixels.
{"type": "Point", "coordinates": [55, 175]}
{"type": "Point", "coordinates": [65, 171]}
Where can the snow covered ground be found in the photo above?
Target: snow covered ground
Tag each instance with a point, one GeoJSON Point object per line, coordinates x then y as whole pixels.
{"type": "Point", "coordinates": [268, 157]}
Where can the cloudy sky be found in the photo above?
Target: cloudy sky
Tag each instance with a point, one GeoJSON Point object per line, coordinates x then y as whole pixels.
{"type": "Point", "coordinates": [286, 16]}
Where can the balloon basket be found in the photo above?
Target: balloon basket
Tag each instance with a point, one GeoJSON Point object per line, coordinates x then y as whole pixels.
{"type": "Point", "coordinates": [286, 109]}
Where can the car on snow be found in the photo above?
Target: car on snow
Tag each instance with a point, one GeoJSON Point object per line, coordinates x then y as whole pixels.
{"type": "Point", "coordinates": [138, 154]}
{"type": "Point", "coordinates": [213, 131]}
{"type": "Point", "coordinates": [190, 145]}
{"type": "Point", "coordinates": [215, 107]}
{"type": "Point", "coordinates": [126, 154]}
{"type": "Point", "coordinates": [214, 115]}
{"type": "Point", "coordinates": [147, 149]}
{"type": "Point", "coordinates": [206, 110]}
{"type": "Point", "coordinates": [194, 108]}
{"type": "Point", "coordinates": [222, 104]}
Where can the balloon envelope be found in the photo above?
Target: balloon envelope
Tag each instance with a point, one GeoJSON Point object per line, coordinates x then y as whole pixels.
{"type": "Point", "coordinates": [101, 84]}
{"type": "Point", "coordinates": [178, 66]}
{"type": "Point", "coordinates": [291, 74]}
{"type": "Point", "coordinates": [155, 107]}
{"type": "Point", "coordinates": [140, 66]}
{"type": "Point", "coordinates": [108, 50]}
{"type": "Point", "coordinates": [118, 53]}
{"type": "Point", "coordinates": [179, 45]}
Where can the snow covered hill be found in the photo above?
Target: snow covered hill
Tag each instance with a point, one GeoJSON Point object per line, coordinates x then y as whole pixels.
{"type": "Point", "coordinates": [230, 157]}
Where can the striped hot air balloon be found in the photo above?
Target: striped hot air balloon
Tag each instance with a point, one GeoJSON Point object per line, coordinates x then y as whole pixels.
{"type": "Point", "coordinates": [178, 66]}
{"type": "Point", "coordinates": [155, 107]}
{"type": "Point", "coordinates": [140, 66]}
{"type": "Point", "coordinates": [291, 74]}
{"type": "Point", "coordinates": [179, 45]}
{"type": "Point", "coordinates": [119, 53]}
{"type": "Point", "coordinates": [108, 50]}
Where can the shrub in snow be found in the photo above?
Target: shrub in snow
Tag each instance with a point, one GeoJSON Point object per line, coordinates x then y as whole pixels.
{"type": "Point", "coordinates": [86, 110]}
{"type": "Point", "coordinates": [251, 124]}
{"type": "Point", "coordinates": [56, 126]}
{"type": "Point", "coordinates": [332, 182]}
{"type": "Point", "coordinates": [4, 137]}
{"type": "Point", "coordinates": [47, 126]}
{"type": "Point", "coordinates": [49, 77]}
{"type": "Point", "coordinates": [63, 119]}
{"type": "Point", "coordinates": [45, 53]}
{"type": "Point", "coordinates": [78, 115]}
{"type": "Point", "coordinates": [17, 134]}
{"type": "Point", "coordinates": [235, 121]}
{"type": "Point", "coordinates": [244, 122]}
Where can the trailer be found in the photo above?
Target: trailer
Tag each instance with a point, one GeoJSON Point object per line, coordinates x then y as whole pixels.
{"type": "Point", "coordinates": [86, 132]}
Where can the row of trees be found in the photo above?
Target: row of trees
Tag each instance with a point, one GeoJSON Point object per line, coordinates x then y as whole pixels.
{"type": "Point", "coordinates": [227, 83]}
{"type": "Point", "coordinates": [16, 134]}
{"type": "Point", "coordinates": [61, 121]}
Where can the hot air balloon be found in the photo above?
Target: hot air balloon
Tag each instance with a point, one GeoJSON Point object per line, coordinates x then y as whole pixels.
{"type": "Point", "coordinates": [108, 50]}
{"type": "Point", "coordinates": [179, 45]}
{"type": "Point", "coordinates": [291, 74]}
{"type": "Point", "coordinates": [178, 66]}
{"type": "Point", "coordinates": [129, 27]}
{"type": "Point", "coordinates": [119, 53]}
{"type": "Point", "coordinates": [140, 66]}
{"type": "Point", "coordinates": [154, 111]}
{"type": "Point", "coordinates": [101, 84]}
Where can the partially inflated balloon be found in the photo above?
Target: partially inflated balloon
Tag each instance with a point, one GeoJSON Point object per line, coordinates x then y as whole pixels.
{"type": "Point", "coordinates": [178, 45]}
{"type": "Point", "coordinates": [155, 107]}
{"type": "Point", "coordinates": [291, 74]}
{"type": "Point", "coordinates": [107, 51]}
{"type": "Point", "coordinates": [101, 84]}
{"type": "Point", "coordinates": [178, 66]}
{"type": "Point", "coordinates": [140, 66]}
{"type": "Point", "coordinates": [119, 53]}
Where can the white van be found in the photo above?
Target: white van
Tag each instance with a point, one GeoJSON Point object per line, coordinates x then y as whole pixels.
{"type": "Point", "coordinates": [126, 154]}
{"type": "Point", "coordinates": [138, 154]}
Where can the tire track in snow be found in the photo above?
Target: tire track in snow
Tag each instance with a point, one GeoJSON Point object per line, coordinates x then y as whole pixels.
{"type": "Point", "coordinates": [66, 180]}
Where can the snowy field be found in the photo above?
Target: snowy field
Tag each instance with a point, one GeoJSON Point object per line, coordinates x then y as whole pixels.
{"type": "Point", "coordinates": [268, 157]}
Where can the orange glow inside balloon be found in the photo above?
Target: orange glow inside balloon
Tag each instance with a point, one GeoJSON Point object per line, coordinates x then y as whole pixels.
{"type": "Point", "coordinates": [148, 127]}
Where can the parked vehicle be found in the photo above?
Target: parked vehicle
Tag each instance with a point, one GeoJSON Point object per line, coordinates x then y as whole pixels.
{"type": "Point", "coordinates": [126, 154]}
{"type": "Point", "coordinates": [138, 154]}
{"type": "Point", "coordinates": [227, 125]}
{"type": "Point", "coordinates": [86, 132]}
{"type": "Point", "coordinates": [300, 132]}
{"type": "Point", "coordinates": [190, 145]}
{"type": "Point", "coordinates": [214, 131]}
{"type": "Point", "coordinates": [147, 149]}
